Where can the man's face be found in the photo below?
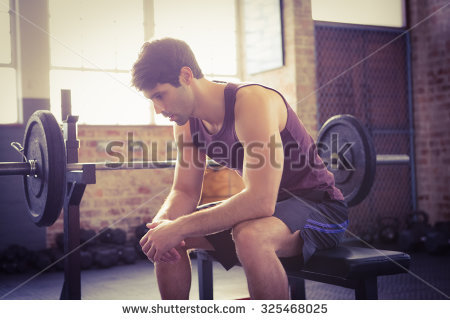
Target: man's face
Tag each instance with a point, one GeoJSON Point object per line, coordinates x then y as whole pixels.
{"type": "Point", "coordinates": [173, 103]}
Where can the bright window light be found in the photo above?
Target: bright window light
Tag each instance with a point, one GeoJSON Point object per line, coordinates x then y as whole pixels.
{"type": "Point", "coordinates": [99, 34]}
{"type": "Point", "coordinates": [210, 31]}
{"type": "Point", "coordinates": [100, 97]}
{"type": "Point", "coordinates": [93, 45]}
{"type": "Point", "coordinates": [208, 26]}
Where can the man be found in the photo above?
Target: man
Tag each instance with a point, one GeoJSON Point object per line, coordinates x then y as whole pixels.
{"type": "Point", "coordinates": [289, 206]}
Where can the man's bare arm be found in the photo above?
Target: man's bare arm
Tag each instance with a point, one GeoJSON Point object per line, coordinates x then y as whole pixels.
{"type": "Point", "coordinates": [188, 178]}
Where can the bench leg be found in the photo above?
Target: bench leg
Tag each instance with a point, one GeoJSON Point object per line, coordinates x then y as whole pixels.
{"type": "Point", "coordinates": [367, 289]}
{"type": "Point", "coordinates": [205, 276]}
{"type": "Point", "coordinates": [297, 288]}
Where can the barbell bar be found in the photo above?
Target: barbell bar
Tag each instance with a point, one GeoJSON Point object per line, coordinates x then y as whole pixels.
{"type": "Point", "coordinates": [29, 168]}
{"type": "Point", "coordinates": [45, 170]}
{"type": "Point", "coordinates": [17, 168]}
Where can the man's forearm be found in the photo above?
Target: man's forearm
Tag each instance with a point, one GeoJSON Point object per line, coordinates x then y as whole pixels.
{"type": "Point", "coordinates": [177, 204]}
{"type": "Point", "coordinates": [240, 207]}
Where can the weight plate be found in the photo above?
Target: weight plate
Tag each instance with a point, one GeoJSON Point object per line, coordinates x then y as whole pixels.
{"type": "Point", "coordinates": [44, 192]}
{"type": "Point", "coordinates": [347, 149]}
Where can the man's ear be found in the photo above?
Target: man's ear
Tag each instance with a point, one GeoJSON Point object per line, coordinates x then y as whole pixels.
{"type": "Point", "coordinates": [186, 75]}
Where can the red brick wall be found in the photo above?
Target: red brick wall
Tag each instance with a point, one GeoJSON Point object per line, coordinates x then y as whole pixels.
{"type": "Point", "coordinates": [123, 198]}
{"type": "Point", "coordinates": [305, 65]}
{"type": "Point", "coordinates": [127, 198]}
{"type": "Point", "coordinates": [431, 97]}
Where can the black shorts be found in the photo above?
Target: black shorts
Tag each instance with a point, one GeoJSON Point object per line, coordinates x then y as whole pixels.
{"type": "Point", "coordinates": [322, 225]}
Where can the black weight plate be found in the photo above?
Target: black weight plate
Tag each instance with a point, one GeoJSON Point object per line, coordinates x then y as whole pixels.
{"type": "Point", "coordinates": [347, 149]}
{"type": "Point", "coordinates": [45, 191]}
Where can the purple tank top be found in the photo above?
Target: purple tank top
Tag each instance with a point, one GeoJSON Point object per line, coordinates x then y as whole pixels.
{"type": "Point", "coordinates": [304, 173]}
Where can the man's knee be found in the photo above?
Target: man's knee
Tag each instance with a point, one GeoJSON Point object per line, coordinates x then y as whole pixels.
{"type": "Point", "coordinates": [246, 235]}
{"type": "Point", "coordinates": [265, 235]}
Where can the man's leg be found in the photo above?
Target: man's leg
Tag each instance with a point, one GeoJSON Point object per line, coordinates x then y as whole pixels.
{"type": "Point", "coordinates": [259, 243]}
{"type": "Point", "coordinates": [174, 279]}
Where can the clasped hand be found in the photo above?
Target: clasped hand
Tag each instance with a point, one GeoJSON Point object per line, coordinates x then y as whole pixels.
{"type": "Point", "coordinates": [160, 242]}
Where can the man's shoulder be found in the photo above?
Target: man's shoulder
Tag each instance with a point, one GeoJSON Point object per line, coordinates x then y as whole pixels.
{"type": "Point", "coordinates": [254, 100]}
{"type": "Point", "coordinates": [251, 90]}
{"type": "Point", "coordinates": [253, 97]}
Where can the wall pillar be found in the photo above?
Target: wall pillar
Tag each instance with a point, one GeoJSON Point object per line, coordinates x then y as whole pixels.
{"type": "Point", "coordinates": [431, 98]}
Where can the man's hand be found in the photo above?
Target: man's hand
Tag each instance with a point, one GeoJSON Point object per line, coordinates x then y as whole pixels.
{"type": "Point", "coordinates": [160, 241]}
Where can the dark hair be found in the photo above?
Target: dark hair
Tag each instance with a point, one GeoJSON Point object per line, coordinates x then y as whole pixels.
{"type": "Point", "coordinates": [160, 61]}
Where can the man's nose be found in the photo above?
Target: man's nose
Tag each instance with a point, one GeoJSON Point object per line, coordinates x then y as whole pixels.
{"type": "Point", "coordinates": [158, 108]}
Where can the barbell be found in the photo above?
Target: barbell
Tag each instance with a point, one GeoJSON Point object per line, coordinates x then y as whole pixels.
{"type": "Point", "coordinates": [343, 143]}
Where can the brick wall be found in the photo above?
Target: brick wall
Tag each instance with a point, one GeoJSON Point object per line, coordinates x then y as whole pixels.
{"type": "Point", "coordinates": [431, 96]}
{"type": "Point", "coordinates": [305, 65]}
{"type": "Point", "coordinates": [127, 198]}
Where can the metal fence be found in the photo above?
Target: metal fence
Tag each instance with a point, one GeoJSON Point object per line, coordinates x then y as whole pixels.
{"type": "Point", "coordinates": [365, 72]}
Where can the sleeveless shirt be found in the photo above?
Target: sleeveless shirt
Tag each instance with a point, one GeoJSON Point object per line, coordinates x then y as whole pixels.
{"type": "Point", "coordinates": [304, 173]}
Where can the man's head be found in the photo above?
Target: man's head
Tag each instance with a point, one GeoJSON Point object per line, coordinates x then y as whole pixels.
{"type": "Point", "coordinates": [160, 61]}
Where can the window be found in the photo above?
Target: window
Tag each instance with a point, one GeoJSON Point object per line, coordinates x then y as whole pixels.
{"type": "Point", "coordinates": [100, 97]}
{"type": "Point", "coordinates": [93, 46]}
{"type": "Point", "coordinates": [208, 26]}
{"type": "Point", "coordinates": [263, 35]}
{"type": "Point", "coordinates": [8, 80]}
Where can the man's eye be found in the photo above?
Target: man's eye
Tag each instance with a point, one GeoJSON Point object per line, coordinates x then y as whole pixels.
{"type": "Point", "coordinates": [155, 97]}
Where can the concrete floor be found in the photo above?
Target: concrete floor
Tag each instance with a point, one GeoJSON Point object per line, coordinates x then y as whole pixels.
{"type": "Point", "coordinates": [429, 279]}
{"type": "Point", "coordinates": [123, 282]}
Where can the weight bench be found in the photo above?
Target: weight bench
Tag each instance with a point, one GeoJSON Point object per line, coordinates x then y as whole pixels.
{"type": "Point", "coordinates": [346, 266]}
{"type": "Point", "coordinates": [349, 265]}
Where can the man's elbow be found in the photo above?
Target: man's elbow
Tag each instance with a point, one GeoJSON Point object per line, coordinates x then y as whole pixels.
{"type": "Point", "coordinates": [259, 201]}
{"type": "Point", "coordinates": [266, 205]}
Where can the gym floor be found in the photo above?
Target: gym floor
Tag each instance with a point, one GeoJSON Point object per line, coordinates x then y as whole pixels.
{"type": "Point", "coordinates": [429, 279]}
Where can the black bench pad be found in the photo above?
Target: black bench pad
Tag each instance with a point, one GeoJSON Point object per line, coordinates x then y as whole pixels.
{"type": "Point", "coordinates": [350, 262]}
{"type": "Point", "coordinates": [347, 266]}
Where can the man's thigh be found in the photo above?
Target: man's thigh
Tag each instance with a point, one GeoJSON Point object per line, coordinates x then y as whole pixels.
{"type": "Point", "coordinates": [273, 232]}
